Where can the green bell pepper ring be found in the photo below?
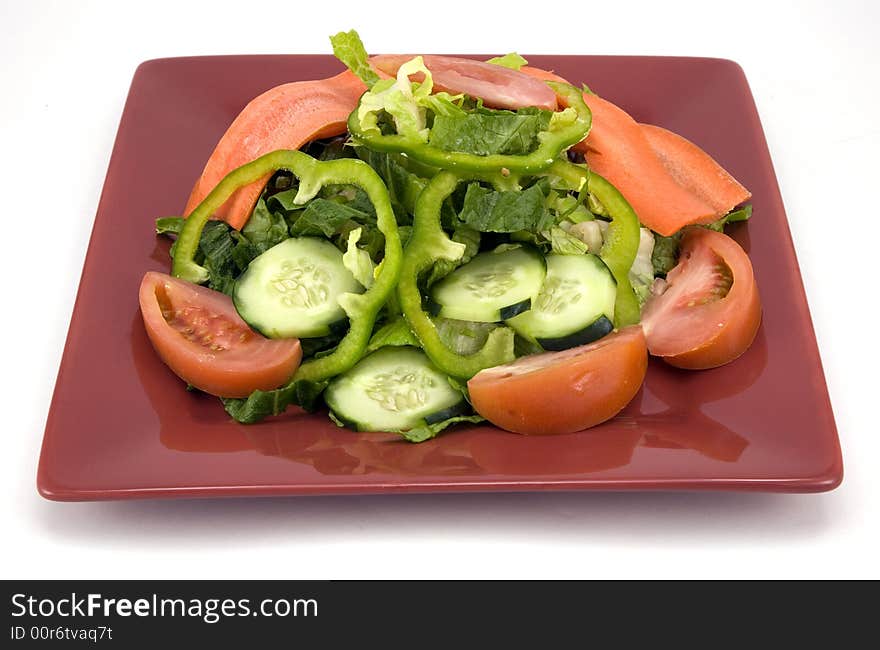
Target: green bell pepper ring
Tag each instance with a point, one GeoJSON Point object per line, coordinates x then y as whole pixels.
{"type": "Point", "coordinates": [361, 309]}
{"type": "Point", "coordinates": [551, 142]}
{"type": "Point", "coordinates": [428, 244]}
{"type": "Point", "coordinates": [621, 239]}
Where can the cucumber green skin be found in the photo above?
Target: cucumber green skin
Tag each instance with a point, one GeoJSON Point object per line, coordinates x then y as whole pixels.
{"type": "Point", "coordinates": [302, 326]}
{"type": "Point", "coordinates": [347, 397]}
{"type": "Point", "coordinates": [592, 332]}
{"type": "Point", "coordinates": [457, 307]}
{"type": "Point", "coordinates": [362, 309]}
{"type": "Point", "coordinates": [597, 287]}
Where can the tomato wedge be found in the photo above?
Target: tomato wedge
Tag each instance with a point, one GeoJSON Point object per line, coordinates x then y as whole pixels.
{"type": "Point", "coordinates": [285, 117]}
{"type": "Point", "coordinates": [200, 336]}
{"type": "Point", "coordinates": [497, 86]}
{"type": "Point", "coordinates": [710, 311]}
{"type": "Point", "coordinates": [669, 181]}
{"type": "Point", "coordinates": [561, 392]}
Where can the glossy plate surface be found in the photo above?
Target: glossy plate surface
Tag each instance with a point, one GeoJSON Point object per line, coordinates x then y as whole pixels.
{"type": "Point", "coordinates": [122, 426]}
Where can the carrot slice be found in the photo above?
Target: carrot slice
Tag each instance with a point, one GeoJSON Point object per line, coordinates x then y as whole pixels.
{"type": "Point", "coordinates": [669, 181]}
{"type": "Point", "coordinates": [618, 149]}
{"type": "Point", "coordinates": [695, 170]}
{"type": "Point", "coordinates": [285, 117]}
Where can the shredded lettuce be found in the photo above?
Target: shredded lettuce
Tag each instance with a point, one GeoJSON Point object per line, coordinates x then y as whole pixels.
{"type": "Point", "coordinates": [261, 403]}
{"type": "Point", "coordinates": [404, 186]}
{"type": "Point", "coordinates": [488, 210]}
{"type": "Point", "coordinates": [742, 214]}
{"type": "Point", "coordinates": [487, 131]}
{"type": "Point", "coordinates": [428, 431]}
{"type": "Point", "coordinates": [395, 333]}
{"type": "Point", "coordinates": [470, 239]}
{"type": "Point", "coordinates": [563, 243]}
{"type": "Point", "coordinates": [641, 273]}
{"type": "Point", "coordinates": [348, 48]}
{"type": "Point", "coordinates": [357, 260]}
{"type": "Point", "coordinates": [665, 254]}
{"type": "Point", "coordinates": [513, 61]}
{"type": "Point", "coordinates": [462, 336]}
{"type": "Point", "coordinates": [265, 228]}
{"type": "Point", "coordinates": [403, 100]}
{"type": "Point", "coordinates": [169, 225]}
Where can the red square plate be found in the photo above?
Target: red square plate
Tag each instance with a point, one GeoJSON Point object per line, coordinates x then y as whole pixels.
{"type": "Point", "coordinates": [122, 426]}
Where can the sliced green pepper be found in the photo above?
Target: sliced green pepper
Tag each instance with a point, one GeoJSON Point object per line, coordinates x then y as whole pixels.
{"type": "Point", "coordinates": [361, 309]}
{"type": "Point", "coordinates": [561, 135]}
{"type": "Point", "coordinates": [621, 239]}
{"type": "Point", "coordinates": [428, 244]}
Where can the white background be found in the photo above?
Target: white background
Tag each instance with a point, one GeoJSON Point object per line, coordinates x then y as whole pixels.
{"type": "Point", "coordinates": [814, 69]}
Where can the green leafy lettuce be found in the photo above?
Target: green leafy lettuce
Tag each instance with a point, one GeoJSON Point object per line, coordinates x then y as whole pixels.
{"type": "Point", "coordinates": [405, 102]}
{"type": "Point", "coordinates": [428, 431]}
{"type": "Point", "coordinates": [263, 403]}
{"type": "Point", "coordinates": [487, 131]}
{"type": "Point", "coordinates": [742, 214]}
{"type": "Point", "coordinates": [462, 336]}
{"type": "Point", "coordinates": [488, 210]}
{"type": "Point", "coordinates": [513, 61]}
{"type": "Point", "coordinates": [665, 254]}
{"type": "Point", "coordinates": [348, 48]}
{"type": "Point", "coordinates": [357, 260]}
{"type": "Point", "coordinates": [395, 333]}
{"type": "Point", "coordinates": [641, 274]}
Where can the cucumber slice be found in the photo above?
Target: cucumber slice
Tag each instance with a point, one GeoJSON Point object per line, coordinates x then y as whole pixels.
{"type": "Point", "coordinates": [491, 287]}
{"type": "Point", "coordinates": [592, 332]}
{"type": "Point", "coordinates": [579, 290]}
{"type": "Point", "coordinates": [392, 389]}
{"type": "Point", "coordinates": [292, 290]}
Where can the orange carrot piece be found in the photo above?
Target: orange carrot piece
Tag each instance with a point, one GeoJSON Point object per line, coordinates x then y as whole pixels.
{"type": "Point", "coordinates": [669, 181]}
{"type": "Point", "coordinates": [695, 170]}
{"type": "Point", "coordinates": [285, 117]}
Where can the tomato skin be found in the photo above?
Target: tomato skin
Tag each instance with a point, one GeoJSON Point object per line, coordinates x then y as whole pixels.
{"type": "Point", "coordinates": [696, 334]}
{"type": "Point", "coordinates": [562, 392]}
{"type": "Point", "coordinates": [199, 335]}
{"type": "Point", "coordinates": [497, 86]}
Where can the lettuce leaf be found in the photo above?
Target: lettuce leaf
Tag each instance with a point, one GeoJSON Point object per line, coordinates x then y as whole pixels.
{"type": "Point", "coordinates": [462, 336]}
{"type": "Point", "coordinates": [489, 210]}
{"type": "Point", "coordinates": [169, 225]}
{"type": "Point", "coordinates": [486, 131]}
{"type": "Point", "coordinates": [443, 266]}
{"type": "Point", "coordinates": [325, 217]}
{"type": "Point", "coordinates": [641, 273]}
{"type": "Point", "coordinates": [665, 254]}
{"type": "Point", "coordinates": [428, 431]}
{"type": "Point", "coordinates": [403, 100]}
{"type": "Point", "coordinates": [742, 214]}
{"type": "Point", "coordinates": [348, 48]}
{"type": "Point", "coordinates": [394, 333]}
{"type": "Point", "coordinates": [216, 250]}
{"type": "Point", "coordinates": [357, 260]}
{"type": "Point", "coordinates": [404, 186]}
{"type": "Point", "coordinates": [563, 243]}
{"type": "Point", "coordinates": [218, 244]}
{"type": "Point", "coordinates": [513, 61]}
{"type": "Point", "coordinates": [265, 228]}
{"type": "Point", "coordinates": [261, 404]}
